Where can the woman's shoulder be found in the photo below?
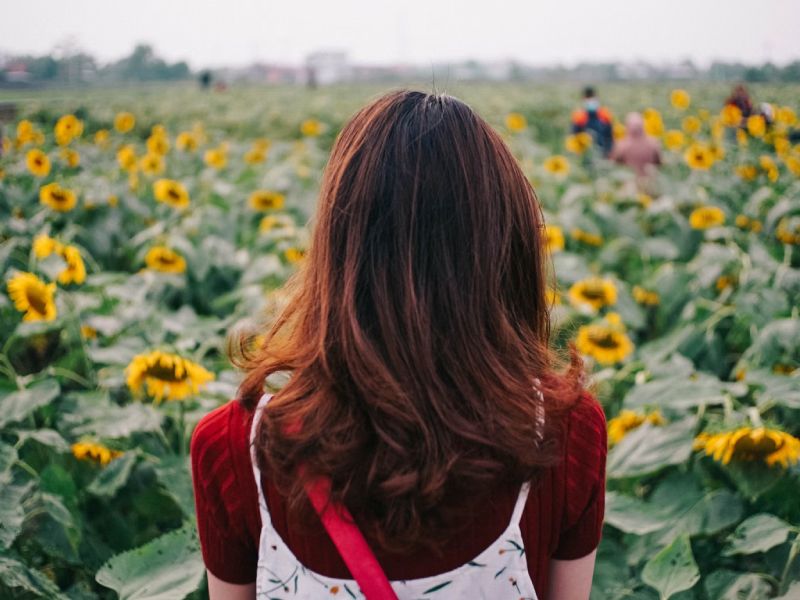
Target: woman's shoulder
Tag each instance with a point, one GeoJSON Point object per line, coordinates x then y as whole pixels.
{"type": "Point", "coordinates": [224, 430]}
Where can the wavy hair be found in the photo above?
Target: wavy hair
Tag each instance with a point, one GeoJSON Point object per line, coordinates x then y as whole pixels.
{"type": "Point", "coordinates": [417, 332]}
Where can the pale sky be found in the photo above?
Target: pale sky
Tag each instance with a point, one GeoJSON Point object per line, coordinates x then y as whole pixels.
{"type": "Point", "coordinates": [237, 32]}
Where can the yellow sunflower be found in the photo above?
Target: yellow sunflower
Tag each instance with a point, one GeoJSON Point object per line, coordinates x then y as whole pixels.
{"type": "Point", "coordinates": [731, 116]}
{"type": "Point", "coordinates": [762, 444]}
{"type": "Point", "coordinates": [578, 143]}
{"type": "Point", "coordinates": [44, 246]}
{"type": "Point", "coordinates": [71, 157]}
{"type": "Point", "coordinates": [171, 192]}
{"type": "Point", "coordinates": [706, 217]}
{"type": "Point", "coordinates": [606, 343]}
{"type": "Point", "coordinates": [280, 224]}
{"type": "Point", "coordinates": [255, 156]}
{"type": "Point", "coordinates": [101, 137]}
{"type": "Point", "coordinates": [756, 125]}
{"type": "Point", "coordinates": [262, 200]}
{"type": "Point", "coordinates": [646, 297]}
{"type": "Point", "coordinates": [746, 172]}
{"type": "Point", "coordinates": [516, 122]}
{"type": "Point", "coordinates": [216, 157]}
{"type": "Point", "coordinates": [786, 116]}
{"type": "Point", "coordinates": [680, 99]}
{"type": "Point", "coordinates": [674, 139]}
{"type": "Point", "coordinates": [618, 131]}
{"type": "Point", "coordinates": [788, 233]}
{"type": "Point", "coordinates": [691, 125]}
{"type": "Point", "coordinates": [166, 376]}
{"type": "Point", "coordinates": [557, 165]}
{"type": "Point", "coordinates": [628, 420]}
{"type": "Point", "coordinates": [158, 143]}
{"type": "Point", "coordinates": [594, 292]}
{"type": "Point", "coordinates": [67, 129]}
{"type": "Point", "coordinates": [653, 123]}
{"type": "Point", "coordinates": [311, 128]}
{"type": "Point", "coordinates": [699, 156]}
{"type": "Point", "coordinates": [746, 223]}
{"type": "Point", "coordinates": [554, 238]}
{"type": "Point", "coordinates": [37, 162]}
{"type": "Point", "coordinates": [164, 260]}
{"type": "Point", "coordinates": [76, 270]}
{"type": "Point", "coordinates": [186, 141]}
{"type": "Point", "coordinates": [124, 122]}
{"type": "Point", "coordinates": [126, 157]}
{"type": "Point", "coordinates": [94, 452]}
{"type": "Point", "coordinates": [57, 197]}
{"type": "Point", "coordinates": [586, 237]}
{"type": "Point", "coordinates": [152, 164]}
{"type": "Point", "coordinates": [32, 296]}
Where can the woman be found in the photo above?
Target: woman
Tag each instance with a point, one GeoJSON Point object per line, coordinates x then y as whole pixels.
{"type": "Point", "coordinates": [422, 386]}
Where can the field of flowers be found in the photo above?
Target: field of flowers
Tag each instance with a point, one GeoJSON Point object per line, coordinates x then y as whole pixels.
{"type": "Point", "coordinates": [138, 228]}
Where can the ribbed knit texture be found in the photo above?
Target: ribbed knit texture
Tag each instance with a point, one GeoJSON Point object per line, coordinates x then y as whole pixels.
{"type": "Point", "coordinates": [563, 517]}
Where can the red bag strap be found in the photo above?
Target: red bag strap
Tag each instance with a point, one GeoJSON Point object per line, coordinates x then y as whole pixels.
{"type": "Point", "coordinates": [350, 542]}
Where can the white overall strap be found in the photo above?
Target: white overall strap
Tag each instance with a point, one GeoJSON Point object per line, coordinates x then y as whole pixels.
{"type": "Point", "coordinates": [519, 507]}
{"type": "Point", "coordinates": [262, 402]}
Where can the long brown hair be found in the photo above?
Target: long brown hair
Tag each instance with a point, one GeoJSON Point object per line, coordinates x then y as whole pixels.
{"type": "Point", "coordinates": [418, 329]}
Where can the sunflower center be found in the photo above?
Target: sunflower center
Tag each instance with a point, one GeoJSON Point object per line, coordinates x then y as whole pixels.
{"type": "Point", "coordinates": [173, 193]}
{"type": "Point", "coordinates": [167, 259]}
{"type": "Point", "coordinates": [604, 340]}
{"type": "Point", "coordinates": [36, 300]}
{"type": "Point", "coordinates": [159, 371]}
{"type": "Point", "coordinates": [594, 292]}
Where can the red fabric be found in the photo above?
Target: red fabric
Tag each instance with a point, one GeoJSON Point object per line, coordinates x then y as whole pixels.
{"type": "Point", "coordinates": [563, 516]}
{"type": "Point", "coordinates": [350, 543]}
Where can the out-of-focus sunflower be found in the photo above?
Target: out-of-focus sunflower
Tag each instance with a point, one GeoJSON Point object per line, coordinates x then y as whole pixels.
{"type": "Point", "coordinates": [699, 156]}
{"type": "Point", "coordinates": [788, 230]}
{"type": "Point", "coordinates": [158, 143]}
{"type": "Point", "coordinates": [101, 137]}
{"type": "Point", "coordinates": [593, 292]}
{"type": "Point", "coordinates": [578, 143]}
{"type": "Point", "coordinates": [266, 200]}
{"type": "Point", "coordinates": [628, 420]}
{"type": "Point", "coordinates": [617, 131]}
{"type": "Point", "coordinates": [92, 451]}
{"type": "Point", "coordinates": [705, 217]}
{"type": "Point", "coordinates": [57, 197]}
{"type": "Point", "coordinates": [76, 270]}
{"type": "Point", "coordinates": [171, 192]}
{"type": "Point", "coordinates": [294, 255]}
{"type": "Point", "coordinates": [255, 156]}
{"type": "Point", "coordinates": [746, 223]}
{"type": "Point", "coordinates": [674, 139]}
{"type": "Point", "coordinates": [557, 165]}
{"type": "Point", "coordinates": [67, 129]}
{"type": "Point", "coordinates": [554, 238]}
{"type": "Point", "coordinates": [71, 157]}
{"type": "Point", "coordinates": [691, 125]}
{"type": "Point", "coordinates": [786, 116]}
{"type": "Point", "coordinates": [152, 164]}
{"type": "Point", "coordinates": [653, 123]}
{"type": "Point", "coordinates": [33, 296]}
{"type": "Point", "coordinates": [793, 164]}
{"type": "Point", "coordinates": [749, 444]}
{"type": "Point", "coordinates": [746, 172]}
{"type": "Point", "coordinates": [680, 99]}
{"type": "Point", "coordinates": [166, 376]}
{"type": "Point", "coordinates": [126, 157]}
{"type": "Point", "coordinates": [277, 225]}
{"type": "Point", "coordinates": [311, 128]}
{"type": "Point", "coordinates": [216, 157]}
{"type": "Point", "coordinates": [186, 141]}
{"type": "Point", "coordinates": [124, 122]}
{"type": "Point", "coordinates": [756, 125]}
{"type": "Point", "coordinates": [645, 296]}
{"type": "Point", "coordinates": [606, 343]}
{"type": "Point", "coordinates": [164, 260]}
{"type": "Point", "coordinates": [731, 116]}
{"type": "Point", "coordinates": [37, 162]}
{"type": "Point", "coordinates": [44, 246]}
{"type": "Point", "coordinates": [586, 237]}
{"type": "Point", "coordinates": [515, 122]}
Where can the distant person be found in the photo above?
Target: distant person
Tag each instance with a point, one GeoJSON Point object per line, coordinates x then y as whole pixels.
{"type": "Point", "coordinates": [594, 119]}
{"type": "Point", "coordinates": [205, 79]}
{"type": "Point", "coordinates": [741, 99]}
{"type": "Point", "coordinates": [637, 150]}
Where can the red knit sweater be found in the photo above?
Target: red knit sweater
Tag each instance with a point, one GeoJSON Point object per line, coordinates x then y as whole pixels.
{"type": "Point", "coordinates": [563, 516]}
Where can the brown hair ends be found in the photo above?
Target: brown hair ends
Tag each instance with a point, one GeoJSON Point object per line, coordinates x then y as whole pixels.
{"type": "Point", "coordinates": [417, 330]}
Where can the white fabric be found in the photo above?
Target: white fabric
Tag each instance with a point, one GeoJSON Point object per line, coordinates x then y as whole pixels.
{"type": "Point", "coordinates": [499, 572]}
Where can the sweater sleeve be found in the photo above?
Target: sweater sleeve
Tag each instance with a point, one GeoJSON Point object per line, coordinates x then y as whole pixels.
{"type": "Point", "coordinates": [585, 481]}
{"type": "Point", "coordinates": [228, 550]}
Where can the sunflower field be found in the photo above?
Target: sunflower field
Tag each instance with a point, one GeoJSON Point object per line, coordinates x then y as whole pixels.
{"type": "Point", "coordinates": [140, 227]}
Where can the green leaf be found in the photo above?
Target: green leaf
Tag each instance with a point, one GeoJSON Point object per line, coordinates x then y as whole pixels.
{"type": "Point", "coordinates": [114, 476]}
{"type": "Point", "coordinates": [45, 437]}
{"type": "Point", "coordinates": [16, 406]}
{"type": "Point", "coordinates": [19, 581]}
{"type": "Point", "coordinates": [53, 526]}
{"type": "Point", "coordinates": [759, 533]}
{"type": "Point", "coordinates": [678, 394]}
{"type": "Point", "coordinates": [730, 585]}
{"type": "Point", "coordinates": [111, 421]}
{"type": "Point", "coordinates": [12, 514]}
{"type": "Point", "coordinates": [174, 474]}
{"type": "Point", "coordinates": [793, 593]}
{"type": "Point", "coordinates": [8, 456]}
{"type": "Point", "coordinates": [673, 569]}
{"type": "Point", "coordinates": [168, 568]}
{"type": "Point", "coordinates": [650, 448]}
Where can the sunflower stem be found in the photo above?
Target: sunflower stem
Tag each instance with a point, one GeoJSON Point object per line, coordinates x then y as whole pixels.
{"type": "Point", "coordinates": [182, 427]}
{"type": "Point", "coordinates": [793, 552]}
{"type": "Point", "coordinates": [755, 417]}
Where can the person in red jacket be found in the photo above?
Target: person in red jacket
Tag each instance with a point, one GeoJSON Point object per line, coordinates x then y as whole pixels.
{"type": "Point", "coordinates": [595, 120]}
{"type": "Point", "coordinates": [422, 386]}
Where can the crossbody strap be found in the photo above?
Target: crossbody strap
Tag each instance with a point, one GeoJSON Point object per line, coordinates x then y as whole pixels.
{"type": "Point", "coordinates": [350, 542]}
